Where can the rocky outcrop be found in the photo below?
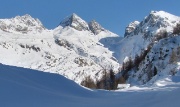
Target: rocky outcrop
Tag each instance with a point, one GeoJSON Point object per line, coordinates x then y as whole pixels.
{"type": "Point", "coordinates": [130, 28]}
{"type": "Point", "coordinates": [95, 27]}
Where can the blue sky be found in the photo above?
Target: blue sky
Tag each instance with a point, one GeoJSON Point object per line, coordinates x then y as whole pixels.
{"type": "Point", "coordinates": [113, 15]}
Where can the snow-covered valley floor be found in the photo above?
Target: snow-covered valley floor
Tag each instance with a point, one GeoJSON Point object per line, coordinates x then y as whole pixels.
{"type": "Point", "coordinates": [21, 87]}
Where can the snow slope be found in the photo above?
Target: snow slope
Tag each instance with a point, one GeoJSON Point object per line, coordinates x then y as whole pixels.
{"type": "Point", "coordinates": [162, 60]}
{"type": "Point", "coordinates": [22, 87]}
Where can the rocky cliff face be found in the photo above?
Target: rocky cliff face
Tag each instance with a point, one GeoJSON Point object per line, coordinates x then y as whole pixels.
{"type": "Point", "coordinates": [95, 27]}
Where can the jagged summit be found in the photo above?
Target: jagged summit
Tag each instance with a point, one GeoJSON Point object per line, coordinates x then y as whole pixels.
{"type": "Point", "coordinates": [131, 27]}
{"type": "Point", "coordinates": [79, 24]}
{"type": "Point", "coordinates": [21, 24]}
{"type": "Point", "coordinates": [153, 23]}
{"type": "Point", "coordinates": [75, 21]}
{"type": "Point", "coordinates": [29, 21]}
{"type": "Point", "coordinates": [95, 27]}
{"type": "Point", "coordinates": [161, 19]}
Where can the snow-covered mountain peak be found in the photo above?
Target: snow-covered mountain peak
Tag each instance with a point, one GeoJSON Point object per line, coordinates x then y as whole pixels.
{"type": "Point", "coordinates": [131, 27]}
{"type": "Point", "coordinates": [157, 25]}
{"type": "Point", "coordinates": [151, 47]}
{"type": "Point", "coordinates": [75, 22]}
{"type": "Point", "coordinates": [21, 24]}
{"type": "Point", "coordinates": [95, 27]}
{"type": "Point", "coordinates": [163, 14]}
{"type": "Point", "coordinates": [71, 49]}
{"type": "Point", "coordinates": [161, 19]}
{"type": "Point", "coordinates": [26, 16]}
{"type": "Point", "coordinates": [81, 50]}
{"type": "Point", "coordinates": [154, 23]}
{"type": "Point", "coordinates": [75, 26]}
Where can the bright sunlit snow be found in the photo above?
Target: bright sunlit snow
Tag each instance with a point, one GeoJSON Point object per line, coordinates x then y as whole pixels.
{"type": "Point", "coordinates": [146, 59]}
{"type": "Point", "coordinates": [64, 50]}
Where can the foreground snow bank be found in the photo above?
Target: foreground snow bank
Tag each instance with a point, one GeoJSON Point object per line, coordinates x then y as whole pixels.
{"type": "Point", "coordinates": [29, 88]}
